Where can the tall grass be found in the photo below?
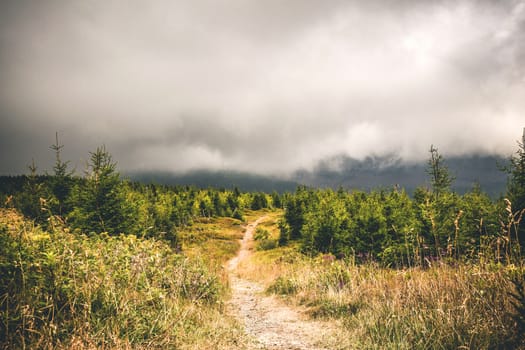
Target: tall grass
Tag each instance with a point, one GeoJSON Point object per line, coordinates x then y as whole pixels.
{"type": "Point", "coordinates": [444, 307]}
{"type": "Point", "coordinates": [452, 304]}
{"type": "Point", "coordinates": [462, 305]}
{"type": "Point", "coordinates": [59, 290]}
{"type": "Point", "coordinates": [214, 241]}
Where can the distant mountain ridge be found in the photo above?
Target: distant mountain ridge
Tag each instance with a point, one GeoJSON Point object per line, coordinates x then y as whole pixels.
{"type": "Point", "coordinates": [349, 173]}
{"type": "Point", "coordinates": [374, 172]}
{"type": "Point", "coordinates": [245, 182]}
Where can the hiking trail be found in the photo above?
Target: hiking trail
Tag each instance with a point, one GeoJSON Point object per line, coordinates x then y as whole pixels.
{"type": "Point", "coordinates": [270, 323]}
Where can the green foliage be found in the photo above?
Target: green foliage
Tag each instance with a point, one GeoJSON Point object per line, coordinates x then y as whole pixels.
{"type": "Point", "coordinates": [31, 200]}
{"type": "Point", "coordinates": [267, 244]}
{"type": "Point", "coordinates": [294, 215]}
{"type": "Point", "coordinates": [283, 286]}
{"type": "Point", "coordinates": [259, 201]}
{"type": "Point", "coordinates": [478, 223]}
{"type": "Point", "coordinates": [326, 225]}
{"type": "Point", "coordinates": [390, 227]}
{"type": "Point", "coordinates": [439, 174]}
{"type": "Point", "coordinates": [62, 289]}
{"type": "Point", "coordinates": [61, 183]}
{"type": "Point", "coordinates": [348, 224]}
{"type": "Point", "coordinates": [261, 234]}
{"type": "Point", "coordinates": [516, 186]}
{"type": "Point", "coordinates": [284, 232]}
{"type": "Point", "coordinates": [276, 200]}
{"type": "Point", "coordinates": [100, 202]}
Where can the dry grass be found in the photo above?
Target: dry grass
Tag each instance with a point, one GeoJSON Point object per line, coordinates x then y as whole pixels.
{"type": "Point", "coordinates": [466, 306]}
{"type": "Point", "coordinates": [252, 215]}
{"type": "Point", "coordinates": [264, 266]}
{"type": "Point", "coordinates": [444, 307]}
{"type": "Point", "coordinates": [62, 290]}
{"type": "Point", "coordinates": [215, 240]}
{"type": "Point", "coordinates": [270, 223]}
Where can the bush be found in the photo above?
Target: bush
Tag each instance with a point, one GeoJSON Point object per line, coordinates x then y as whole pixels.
{"type": "Point", "coordinates": [266, 244]}
{"type": "Point", "coordinates": [261, 234]}
{"type": "Point", "coordinates": [283, 286]}
{"type": "Point", "coordinates": [63, 290]}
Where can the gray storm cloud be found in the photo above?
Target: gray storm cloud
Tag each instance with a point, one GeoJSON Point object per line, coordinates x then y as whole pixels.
{"type": "Point", "coordinates": [264, 86]}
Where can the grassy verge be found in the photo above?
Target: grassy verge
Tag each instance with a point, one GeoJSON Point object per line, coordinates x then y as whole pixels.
{"type": "Point", "coordinates": [445, 307]}
{"type": "Point", "coordinates": [441, 308]}
{"type": "Point", "coordinates": [252, 215]}
{"type": "Point", "coordinates": [215, 240]}
{"type": "Point", "coordinates": [59, 290]}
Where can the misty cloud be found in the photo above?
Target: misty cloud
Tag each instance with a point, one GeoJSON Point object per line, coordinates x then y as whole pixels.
{"type": "Point", "coordinates": [269, 86]}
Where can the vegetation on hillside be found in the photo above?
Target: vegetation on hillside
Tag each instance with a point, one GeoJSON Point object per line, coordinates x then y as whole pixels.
{"type": "Point", "coordinates": [468, 306]}
{"type": "Point", "coordinates": [102, 201]}
{"type": "Point", "coordinates": [97, 261]}
{"type": "Point", "coordinates": [458, 279]}
{"type": "Point", "coordinates": [60, 289]}
{"type": "Point", "coordinates": [392, 228]}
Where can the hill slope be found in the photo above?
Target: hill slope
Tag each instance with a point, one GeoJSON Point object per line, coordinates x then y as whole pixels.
{"type": "Point", "coordinates": [372, 172]}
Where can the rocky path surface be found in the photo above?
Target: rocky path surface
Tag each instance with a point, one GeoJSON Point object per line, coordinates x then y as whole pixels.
{"type": "Point", "coordinates": [268, 321]}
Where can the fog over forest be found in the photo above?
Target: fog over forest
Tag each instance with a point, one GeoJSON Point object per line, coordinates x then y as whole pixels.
{"type": "Point", "coordinates": [265, 87]}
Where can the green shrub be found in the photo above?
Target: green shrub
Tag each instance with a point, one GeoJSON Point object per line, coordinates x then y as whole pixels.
{"type": "Point", "coordinates": [58, 289]}
{"type": "Point", "coordinates": [266, 244]}
{"type": "Point", "coordinates": [283, 286]}
{"type": "Point", "coordinates": [261, 234]}
{"type": "Point", "coordinates": [334, 308]}
{"type": "Point", "coordinates": [335, 276]}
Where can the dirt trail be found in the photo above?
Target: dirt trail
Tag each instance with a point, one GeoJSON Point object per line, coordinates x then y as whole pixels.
{"type": "Point", "coordinates": [272, 324]}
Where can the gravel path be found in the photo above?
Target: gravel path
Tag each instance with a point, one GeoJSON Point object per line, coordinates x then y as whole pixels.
{"type": "Point", "coordinates": [268, 321]}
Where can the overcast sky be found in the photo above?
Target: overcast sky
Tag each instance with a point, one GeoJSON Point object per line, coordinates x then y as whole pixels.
{"type": "Point", "coordinates": [265, 86]}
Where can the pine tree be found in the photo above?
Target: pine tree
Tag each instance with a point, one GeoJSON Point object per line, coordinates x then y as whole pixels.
{"type": "Point", "coordinates": [259, 201]}
{"type": "Point", "coordinates": [439, 174]}
{"type": "Point", "coordinates": [294, 213]}
{"type": "Point", "coordinates": [276, 200]}
{"type": "Point", "coordinates": [100, 202]}
{"type": "Point", "coordinates": [62, 181]}
{"type": "Point", "coordinates": [33, 196]}
{"type": "Point", "coordinates": [516, 187]}
{"type": "Point", "coordinates": [441, 209]}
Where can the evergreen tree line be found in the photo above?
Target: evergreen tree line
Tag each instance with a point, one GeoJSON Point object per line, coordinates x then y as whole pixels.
{"type": "Point", "coordinates": [102, 201]}
{"type": "Point", "coordinates": [395, 229]}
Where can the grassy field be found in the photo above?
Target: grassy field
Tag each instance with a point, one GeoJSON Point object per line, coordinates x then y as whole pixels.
{"type": "Point", "coordinates": [215, 240]}
{"type": "Point", "coordinates": [464, 306]}
{"type": "Point", "coordinates": [60, 290]}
